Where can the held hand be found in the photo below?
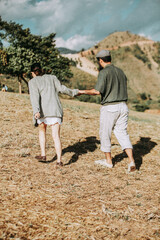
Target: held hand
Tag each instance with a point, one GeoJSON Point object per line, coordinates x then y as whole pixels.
{"type": "Point", "coordinates": [89, 92]}
{"type": "Point", "coordinates": [37, 115]}
{"type": "Point", "coordinates": [80, 92]}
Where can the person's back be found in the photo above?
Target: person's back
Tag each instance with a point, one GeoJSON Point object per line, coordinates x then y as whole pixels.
{"type": "Point", "coordinates": [47, 109]}
{"type": "Point", "coordinates": [112, 84]}
{"type": "Point", "coordinates": [45, 88]}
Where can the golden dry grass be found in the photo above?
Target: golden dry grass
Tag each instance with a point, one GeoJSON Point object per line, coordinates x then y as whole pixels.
{"type": "Point", "coordinates": [81, 200]}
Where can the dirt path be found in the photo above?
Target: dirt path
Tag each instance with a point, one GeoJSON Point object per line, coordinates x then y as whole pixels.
{"type": "Point", "coordinates": [83, 63]}
{"type": "Point", "coordinates": [81, 200]}
{"type": "Point", "coordinates": [141, 43]}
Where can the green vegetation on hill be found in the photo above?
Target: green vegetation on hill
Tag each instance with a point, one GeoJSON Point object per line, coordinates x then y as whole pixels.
{"type": "Point", "coordinates": [139, 53]}
{"type": "Point", "coordinates": [83, 80]}
{"type": "Point", "coordinates": [156, 56]}
{"type": "Point", "coordinates": [66, 50]}
{"type": "Point", "coordinates": [118, 38]}
{"type": "Point", "coordinates": [139, 60]}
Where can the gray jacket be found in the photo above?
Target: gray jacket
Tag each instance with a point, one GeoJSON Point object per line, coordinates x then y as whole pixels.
{"type": "Point", "coordinates": [44, 95]}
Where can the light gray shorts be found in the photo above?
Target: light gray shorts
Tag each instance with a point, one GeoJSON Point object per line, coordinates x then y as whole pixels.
{"type": "Point", "coordinates": [114, 117]}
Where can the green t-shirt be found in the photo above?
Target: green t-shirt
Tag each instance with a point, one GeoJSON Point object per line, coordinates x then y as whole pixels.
{"type": "Point", "coordinates": [112, 84]}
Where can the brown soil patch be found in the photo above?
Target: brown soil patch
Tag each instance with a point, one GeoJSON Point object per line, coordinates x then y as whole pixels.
{"type": "Point", "coordinates": [153, 111]}
{"type": "Point", "coordinates": [80, 200]}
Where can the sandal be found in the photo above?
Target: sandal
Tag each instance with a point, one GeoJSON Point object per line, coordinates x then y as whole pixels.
{"type": "Point", "coordinates": [131, 167]}
{"type": "Point", "coordinates": [41, 158]}
{"type": "Point", "coordinates": [60, 164]}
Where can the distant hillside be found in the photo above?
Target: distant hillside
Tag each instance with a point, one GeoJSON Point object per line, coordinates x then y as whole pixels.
{"type": "Point", "coordinates": [137, 56]}
{"type": "Point", "coordinates": [117, 39]}
{"type": "Point", "coordinates": [66, 50]}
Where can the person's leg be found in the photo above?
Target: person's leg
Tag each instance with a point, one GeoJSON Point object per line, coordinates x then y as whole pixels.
{"type": "Point", "coordinates": [108, 157]}
{"type": "Point", "coordinates": [57, 141]}
{"type": "Point", "coordinates": [120, 131]}
{"type": "Point", "coordinates": [129, 152]}
{"type": "Point", "coordinates": [107, 121]}
{"type": "Point", "coordinates": [42, 138]}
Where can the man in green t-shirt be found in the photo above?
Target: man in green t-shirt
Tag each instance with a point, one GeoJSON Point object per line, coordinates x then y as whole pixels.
{"type": "Point", "coordinates": [112, 86]}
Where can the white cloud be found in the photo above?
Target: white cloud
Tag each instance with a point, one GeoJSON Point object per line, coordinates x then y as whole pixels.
{"type": "Point", "coordinates": [15, 9]}
{"type": "Point", "coordinates": [51, 15]}
{"type": "Point", "coordinates": [79, 24]}
{"type": "Point", "coordinates": [144, 35]}
{"type": "Point", "coordinates": [76, 42]}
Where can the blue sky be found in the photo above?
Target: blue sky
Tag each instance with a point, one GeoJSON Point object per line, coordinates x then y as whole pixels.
{"type": "Point", "coordinates": [82, 23]}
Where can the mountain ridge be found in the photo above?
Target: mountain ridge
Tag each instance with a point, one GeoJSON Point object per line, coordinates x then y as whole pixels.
{"type": "Point", "coordinates": [64, 50]}
{"type": "Point", "coordinates": [134, 54]}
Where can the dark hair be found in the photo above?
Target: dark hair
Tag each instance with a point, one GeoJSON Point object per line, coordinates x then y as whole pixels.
{"type": "Point", "coordinates": [36, 68]}
{"type": "Point", "coordinates": [105, 59]}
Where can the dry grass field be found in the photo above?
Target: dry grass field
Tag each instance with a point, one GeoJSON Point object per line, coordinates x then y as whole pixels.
{"type": "Point", "coordinates": [81, 200]}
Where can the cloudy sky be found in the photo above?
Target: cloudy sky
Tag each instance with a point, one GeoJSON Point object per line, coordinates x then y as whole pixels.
{"type": "Point", "coordinates": [82, 23]}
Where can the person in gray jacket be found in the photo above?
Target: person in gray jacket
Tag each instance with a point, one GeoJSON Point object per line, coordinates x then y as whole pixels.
{"type": "Point", "coordinates": [47, 108]}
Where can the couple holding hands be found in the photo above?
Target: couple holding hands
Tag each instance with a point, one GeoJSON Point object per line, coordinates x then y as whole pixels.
{"type": "Point", "coordinates": [111, 85]}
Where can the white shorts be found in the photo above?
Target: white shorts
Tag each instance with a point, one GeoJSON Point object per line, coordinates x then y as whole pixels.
{"type": "Point", "coordinates": [50, 120]}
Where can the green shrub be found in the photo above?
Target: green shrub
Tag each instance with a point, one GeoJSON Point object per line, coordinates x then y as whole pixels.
{"type": "Point", "coordinates": [149, 101]}
{"type": "Point", "coordinates": [141, 107]}
{"type": "Point", "coordinates": [149, 66]}
{"type": "Point", "coordinates": [90, 98]}
{"type": "Point", "coordinates": [127, 49]}
{"type": "Point", "coordinates": [84, 98]}
{"type": "Point", "coordinates": [138, 53]}
{"type": "Point", "coordinates": [80, 86]}
{"type": "Point", "coordinates": [98, 99]}
{"type": "Point", "coordinates": [157, 56]}
{"type": "Point", "coordinates": [135, 101]}
{"type": "Point", "coordinates": [11, 89]}
{"type": "Point", "coordinates": [143, 96]}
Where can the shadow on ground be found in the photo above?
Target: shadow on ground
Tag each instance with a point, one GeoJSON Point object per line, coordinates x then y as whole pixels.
{"type": "Point", "coordinates": [79, 148]}
{"type": "Point", "coordinates": [140, 149]}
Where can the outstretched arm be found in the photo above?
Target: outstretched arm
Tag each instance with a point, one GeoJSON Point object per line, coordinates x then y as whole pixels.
{"type": "Point", "coordinates": [63, 89]}
{"type": "Point", "coordinates": [89, 92]}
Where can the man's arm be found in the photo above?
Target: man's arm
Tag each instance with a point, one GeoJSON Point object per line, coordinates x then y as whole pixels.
{"type": "Point", "coordinates": [89, 92]}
